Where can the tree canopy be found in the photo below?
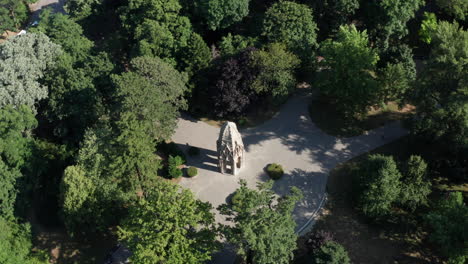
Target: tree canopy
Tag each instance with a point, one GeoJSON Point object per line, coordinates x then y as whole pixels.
{"type": "Point", "coordinates": [13, 13]}
{"type": "Point", "coordinates": [347, 71]}
{"type": "Point", "coordinates": [387, 20]}
{"type": "Point", "coordinates": [448, 221]}
{"type": "Point", "coordinates": [378, 181]}
{"type": "Point", "coordinates": [292, 24]}
{"type": "Point", "coordinates": [263, 230]}
{"type": "Point", "coordinates": [23, 61]}
{"type": "Point", "coordinates": [153, 91]}
{"type": "Point", "coordinates": [169, 225]}
{"type": "Point", "coordinates": [443, 86]}
{"type": "Point", "coordinates": [221, 14]}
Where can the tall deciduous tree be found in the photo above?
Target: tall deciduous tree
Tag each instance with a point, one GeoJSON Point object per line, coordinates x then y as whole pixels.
{"type": "Point", "coordinates": [330, 14]}
{"type": "Point", "coordinates": [169, 225]}
{"type": "Point", "coordinates": [23, 61]}
{"type": "Point", "coordinates": [455, 8]}
{"type": "Point", "coordinates": [263, 230]}
{"type": "Point", "coordinates": [16, 245]}
{"type": "Point", "coordinates": [231, 93]}
{"type": "Point", "coordinates": [13, 13]}
{"type": "Point", "coordinates": [15, 148]}
{"type": "Point", "coordinates": [276, 67]}
{"type": "Point", "coordinates": [292, 24]}
{"type": "Point", "coordinates": [74, 101]}
{"type": "Point", "coordinates": [160, 30]}
{"type": "Point", "coordinates": [441, 96]}
{"type": "Point", "coordinates": [415, 186]}
{"type": "Point", "coordinates": [153, 91]}
{"type": "Point", "coordinates": [80, 9]}
{"type": "Point", "coordinates": [387, 20]}
{"type": "Point", "coordinates": [378, 181]}
{"type": "Point", "coordinates": [448, 221]}
{"type": "Point", "coordinates": [221, 14]}
{"type": "Point", "coordinates": [347, 71]}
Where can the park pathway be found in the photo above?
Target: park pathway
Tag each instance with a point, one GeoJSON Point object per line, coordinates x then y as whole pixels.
{"type": "Point", "coordinates": [291, 139]}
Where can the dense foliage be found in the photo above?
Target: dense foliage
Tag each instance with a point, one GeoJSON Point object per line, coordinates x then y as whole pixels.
{"type": "Point", "coordinates": [23, 61]}
{"type": "Point", "coordinates": [263, 230]}
{"type": "Point", "coordinates": [379, 185]}
{"type": "Point", "coordinates": [448, 221]}
{"type": "Point", "coordinates": [292, 24]}
{"type": "Point", "coordinates": [13, 14]}
{"type": "Point", "coordinates": [169, 225]}
{"type": "Point", "coordinates": [441, 95]}
{"type": "Point", "coordinates": [347, 68]}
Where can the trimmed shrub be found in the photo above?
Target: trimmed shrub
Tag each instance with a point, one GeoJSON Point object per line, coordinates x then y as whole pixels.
{"type": "Point", "coordinates": [193, 151]}
{"type": "Point", "coordinates": [192, 172]}
{"type": "Point", "coordinates": [174, 170]}
{"type": "Point", "coordinates": [275, 171]}
{"type": "Point", "coordinates": [331, 253]}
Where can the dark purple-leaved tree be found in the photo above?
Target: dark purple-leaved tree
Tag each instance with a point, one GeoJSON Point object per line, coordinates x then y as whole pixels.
{"type": "Point", "coordinates": [231, 92]}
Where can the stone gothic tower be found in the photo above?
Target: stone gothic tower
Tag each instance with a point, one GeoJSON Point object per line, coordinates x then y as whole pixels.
{"type": "Point", "coordinates": [230, 149]}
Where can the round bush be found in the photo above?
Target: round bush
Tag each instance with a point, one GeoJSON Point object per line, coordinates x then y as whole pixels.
{"type": "Point", "coordinates": [192, 172]}
{"type": "Point", "coordinates": [331, 253]}
{"type": "Point", "coordinates": [194, 151]}
{"type": "Point", "coordinates": [275, 171]}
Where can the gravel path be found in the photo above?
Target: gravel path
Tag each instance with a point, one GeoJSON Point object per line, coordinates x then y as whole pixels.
{"type": "Point", "coordinates": [291, 139]}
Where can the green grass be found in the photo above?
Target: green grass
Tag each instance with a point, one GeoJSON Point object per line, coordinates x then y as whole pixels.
{"type": "Point", "coordinates": [326, 117]}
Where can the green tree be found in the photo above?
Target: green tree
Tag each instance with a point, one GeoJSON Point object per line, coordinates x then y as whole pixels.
{"type": "Point", "coordinates": [232, 44]}
{"type": "Point", "coordinates": [169, 225]}
{"type": "Point", "coordinates": [65, 32]}
{"type": "Point", "coordinates": [13, 14]}
{"type": "Point", "coordinates": [74, 101]}
{"type": "Point", "coordinates": [347, 75]}
{"type": "Point", "coordinates": [23, 61]}
{"type": "Point", "coordinates": [441, 96]}
{"type": "Point", "coordinates": [221, 14]}
{"type": "Point", "coordinates": [161, 31]}
{"type": "Point", "coordinates": [80, 9]}
{"type": "Point", "coordinates": [428, 26]}
{"type": "Point", "coordinates": [448, 221]}
{"type": "Point", "coordinates": [75, 189]}
{"type": "Point", "coordinates": [133, 160]}
{"type": "Point", "coordinates": [331, 253]}
{"type": "Point", "coordinates": [15, 149]}
{"type": "Point", "coordinates": [378, 181]}
{"type": "Point", "coordinates": [293, 25]}
{"type": "Point", "coordinates": [387, 20]}
{"type": "Point", "coordinates": [16, 245]}
{"type": "Point", "coordinates": [276, 67]}
{"type": "Point", "coordinates": [395, 82]}
{"type": "Point", "coordinates": [90, 194]}
{"type": "Point", "coordinates": [263, 230]}
{"type": "Point", "coordinates": [333, 13]}
{"type": "Point", "coordinates": [153, 91]}
{"type": "Point", "coordinates": [415, 186]}
{"type": "Point", "coordinates": [455, 8]}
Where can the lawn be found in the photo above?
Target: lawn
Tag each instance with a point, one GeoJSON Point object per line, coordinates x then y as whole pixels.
{"type": "Point", "coordinates": [401, 239]}
{"type": "Point", "coordinates": [326, 117]}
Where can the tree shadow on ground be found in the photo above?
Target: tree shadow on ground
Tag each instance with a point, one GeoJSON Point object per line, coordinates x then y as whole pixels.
{"type": "Point", "coordinates": [312, 186]}
{"type": "Point", "coordinates": [207, 159]}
